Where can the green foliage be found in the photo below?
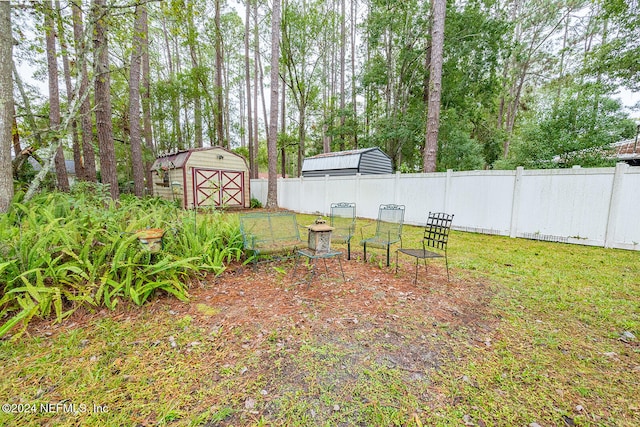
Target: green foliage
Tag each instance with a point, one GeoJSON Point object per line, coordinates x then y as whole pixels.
{"type": "Point", "coordinates": [456, 149]}
{"type": "Point", "coordinates": [576, 129]}
{"type": "Point", "coordinates": [618, 57]}
{"type": "Point", "coordinates": [60, 251]}
{"type": "Point", "coordinates": [474, 46]}
{"type": "Point", "coordinates": [262, 158]}
{"type": "Point", "coordinates": [255, 203]}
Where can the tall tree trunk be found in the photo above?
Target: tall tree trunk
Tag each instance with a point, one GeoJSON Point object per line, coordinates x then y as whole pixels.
{"type": "Point", "coordinates": [77, 150]}
{"type": "Point", "coordinates": [354, 16]}
{"type": "Point", "coordinates": [145, 97]}
{"type": "Point", "coordinates": [15, 135]}
{"type": "Point", "coordinates": [108, 171]}
{"type": "Point", "coordinates": [256, 56]}
{"type": "Point", "coordinates": [343, 42]}
{"type": "Point", "coordinates": [283, 127]}
{"type": "Point", "coordinates": [301, 135]}
{"type": "Point", "coordinates": [253, 169]}
{"type": "Point", "coordinates": [218, 82]}
{"type": "Point", "coordinates": [183, 128]}
{"type": "Point", "coordinates": [195, 63]}
{"type": "Point", "coordinates": [54, 98]}
{"type": "Point", "coordinates": [6, 107]}
{"type": "Point", "coordinates": [175, 98]}
{"type": "Point", "coordinates": [226, 66]}
{"type": "Point", "coordinates": [135, 137]}
{"type": "Point", "coordinates": [272, 149]}
{"type": "Point", "coordinates": [29, 117]}
{"type": "Point", "coordinates": [242, 110]}
{"type": "Point", "coordinates": [262, 97]}
{"type": "Point", "coordinates": [332, 79]}
{"type": "Point", "coordinates": [435, 85]}
{"type": "Point", "coordinates": [86, 124]}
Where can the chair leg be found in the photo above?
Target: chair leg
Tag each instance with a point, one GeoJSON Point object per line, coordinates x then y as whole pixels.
{"type": "Point", "coordinates": [349, 249]}
{"type": "Point", "coordinates": [313, 273]}
{"type": "Point", "coordinates": [295, 268]}
{"type": "Point", "coordinates": [415, 279]}
{"type": "Point", "coordinates": [341, 270]}
{"type": "Point", "coordinates": [365, 251]}
{"type": "Point", "coordinates": [397, 261]}
{"type": "Point", "coordinates": [446, 260]}
{"type": "Point", "coordinates": [388, 249]}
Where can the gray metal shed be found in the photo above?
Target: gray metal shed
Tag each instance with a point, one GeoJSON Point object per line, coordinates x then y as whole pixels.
{"type": "Point", "coordinates": [366, 161]}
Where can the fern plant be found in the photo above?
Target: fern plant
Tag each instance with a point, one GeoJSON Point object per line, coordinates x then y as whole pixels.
{"type": "Point", "coordinates": [60, 251]}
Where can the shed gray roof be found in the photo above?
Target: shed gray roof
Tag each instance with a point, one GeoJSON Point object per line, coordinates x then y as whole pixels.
{"type": "Point", "coordinates": [349, 159]}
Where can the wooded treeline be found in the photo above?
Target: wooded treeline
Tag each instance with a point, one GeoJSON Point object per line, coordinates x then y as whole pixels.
{"type": "Point", "coordinates": [478, 84]}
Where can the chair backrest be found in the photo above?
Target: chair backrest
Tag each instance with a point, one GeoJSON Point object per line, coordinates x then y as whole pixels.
{"type": "Point", "coordinates": [436, 233]}
{"type": "Point", "coordinates": [390, 220]}
{"type": "Point", "coordinates": [343, 219]}
{"type": "Point", "coordinates": [260, 228]}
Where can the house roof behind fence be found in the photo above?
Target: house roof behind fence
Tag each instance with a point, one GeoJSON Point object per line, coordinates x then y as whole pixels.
{"type": "Point", "coordinates": [628, 149]}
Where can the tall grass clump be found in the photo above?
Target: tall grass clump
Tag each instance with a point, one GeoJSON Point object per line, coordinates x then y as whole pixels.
{"type": "Point", "coordinates": [61, 251]}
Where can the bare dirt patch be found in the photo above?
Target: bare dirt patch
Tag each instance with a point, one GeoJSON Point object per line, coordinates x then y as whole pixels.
{"type": "Point", "coordinates": [312, 351]}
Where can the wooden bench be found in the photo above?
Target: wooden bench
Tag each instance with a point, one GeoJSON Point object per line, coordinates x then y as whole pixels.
{"type": "Point", "coordinates": [270, 234]}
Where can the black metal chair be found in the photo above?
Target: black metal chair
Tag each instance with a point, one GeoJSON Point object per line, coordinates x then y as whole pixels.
{"type": "Point", "coordinates": [388, 229]}
{"type": "Point", "coordinates": [343, 220]}
{"type": "Point", "coordinates": [436, 236]}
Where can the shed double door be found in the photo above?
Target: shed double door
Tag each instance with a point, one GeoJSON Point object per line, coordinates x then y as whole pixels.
{"type": "Point", "coordinates": [212, 187]}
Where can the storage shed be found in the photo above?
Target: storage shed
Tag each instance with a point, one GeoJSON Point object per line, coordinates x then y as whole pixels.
{"type": "Point", "coordinates": [366, 161]}
{"type": "Point", "coordinates": [203, 177]}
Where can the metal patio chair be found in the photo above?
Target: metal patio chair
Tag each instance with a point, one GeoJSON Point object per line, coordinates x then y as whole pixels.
{"type": "Point", "coordinates": [388, 229]}
{"type": "Point", "coordinates": [436, 236]}
{"type": "Point", "coordinates": [343, 220]}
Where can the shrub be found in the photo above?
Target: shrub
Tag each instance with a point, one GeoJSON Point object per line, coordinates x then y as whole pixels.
{"type": "Point", "coordinates": [255, 203]}
{"type": "Point", "coordinates": [60, 251]}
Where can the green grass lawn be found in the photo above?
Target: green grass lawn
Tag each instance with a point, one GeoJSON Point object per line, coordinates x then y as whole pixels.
{"type": "Point", "coordinates": [552, 352]}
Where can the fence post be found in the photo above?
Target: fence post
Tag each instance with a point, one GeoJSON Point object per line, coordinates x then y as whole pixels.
{"type": "Point", "coordinates": [515, 202]}
{"type": "Point", "coordinates": [447, 190]}
{"type": "Point", "coordinates": [396, 188]}
{"type": "Point", "coordinates": [614, 204]}
{"type": "Point", "coordinates": [326, 195]}
{"type": "Point", "coordinates": [357, 201]}
{"type": "Point", "coordinates": [300, 194]}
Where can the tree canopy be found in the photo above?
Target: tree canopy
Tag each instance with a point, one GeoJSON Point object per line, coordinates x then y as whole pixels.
{"type": "Point", "coordinates": [523, 83]}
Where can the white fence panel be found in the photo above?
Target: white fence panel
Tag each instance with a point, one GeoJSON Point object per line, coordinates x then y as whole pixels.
{"type": "Point", "coordinates": [586, 206]}
{"type": "Point", "coordinates": [625, 232]}
{"type": "Point", "coordinates": [481, 201]}
{"type": "Point", "coordinates": [572, 203]}
{"type": "Point", "coordinates": [374, 191]}
{"type": "Point", "coordinates": [421, 194]}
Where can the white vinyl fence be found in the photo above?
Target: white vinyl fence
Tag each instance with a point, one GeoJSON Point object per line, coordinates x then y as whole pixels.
{"type": "Point", "coordinates": [598, 206]}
